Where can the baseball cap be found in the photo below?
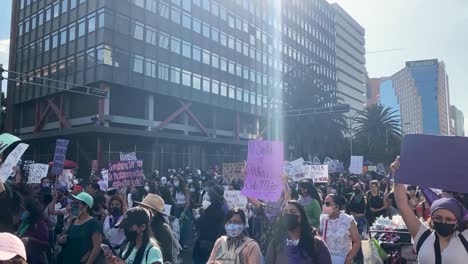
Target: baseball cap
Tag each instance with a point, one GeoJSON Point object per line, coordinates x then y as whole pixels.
{"type": "Point", "coordinates": [11, 246]}
{"type": "Point", "coordinates": [85, 198]}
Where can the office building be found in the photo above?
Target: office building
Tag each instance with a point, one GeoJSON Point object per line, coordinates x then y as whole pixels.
{"type": "Point", "coordinates": [458, 122]}
{"type": "Point", "coordinates": [373, 91]}
{"type": "Point", "coordinates": [388, 97]}
{"type": "Point", "coordinates": [350, 60]}
{"type": "Point", "coordinates": [186, 82]}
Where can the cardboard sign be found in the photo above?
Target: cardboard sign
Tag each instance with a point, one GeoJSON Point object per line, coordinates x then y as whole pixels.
{"type": "Point", "coordinates": [167, 209]}
{"type": "Point", "coordinates": [235, 199]}
{"type": "Point", "coordinates": [37, 172]}
{"type": "Point", "coordinates": [12, 160]}
{"type": "Point", "coordinates": [233, 170]}
{"type": "Point", "coordinates": [295, 169]}
{"type": "Point", "coordinates": [318, 173]}
{"type": "Point", "coordinates": [355, 167]}
{"type": "Point", "coordinates": [434, 162]}
{"type": "Point", "coordinates": [128, 156]}
{"type": "Point", "coordinates": [6, 140]}
{"type": "Point", "coordinates": [264, 170]}
{"type": "Point", "coordinates": [26, 165]}
{"type": "Point", "coordinates": [125, 173]}
{"type": "Point", "coordinates": [61, 146]}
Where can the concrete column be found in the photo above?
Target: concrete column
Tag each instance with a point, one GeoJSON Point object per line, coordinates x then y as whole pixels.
{"type": "Point", "coordinates": [186, 123]}
{"type": "Point", "coordinates": [214, 124]}
{"type": "Point", "coordinates": [149, 111]}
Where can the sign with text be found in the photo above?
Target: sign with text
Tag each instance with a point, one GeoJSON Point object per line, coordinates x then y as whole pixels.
{"type": "Point", "coordinates": [104, 183]}
{"type": "Point", "coordinates": [66, 178]}
{"type": "Point", "coordinates": [235, 199]}
{"type": "Point", "coordinates": [355, 167]}
{"type": "Point", "coordinates": [318, 173]}
{"type": "Point", "coordinates": [26, 165]}
{"type": "Point", "coordinates": [12, 160]}
{"type": "Point", "coordinates": [128, 156]}
{"type": "Point", "coordinates": [125, 173]}
{"type": "Point", "coordinates": [264, 170]}
{"type": "Point", "coordinates": [295, 169]}
{"type": "Point", "coordinates": [37, 171]}
{"type": "Point", "coordinates": [61, 146]}
{"type": "Point", "coordinates": [233, 170]}
{"type": "Point", "coordinates": [6, 140]}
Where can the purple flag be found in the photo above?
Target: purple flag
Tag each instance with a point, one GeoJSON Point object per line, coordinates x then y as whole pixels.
{"type": "Point", "coordinates": [434, 162]}
{"type": "Point", "coordinates": [264, 170]}
{"type": "Point", "coordinates": [429, 195]}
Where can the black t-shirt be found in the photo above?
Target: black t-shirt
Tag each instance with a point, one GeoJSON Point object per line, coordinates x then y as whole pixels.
{"type": "Point", "coordinates": [79, 241]}
{"type": "Point", "coordinates": [357, 204]}
{"type": "Point", "coordinates": [375, 202]}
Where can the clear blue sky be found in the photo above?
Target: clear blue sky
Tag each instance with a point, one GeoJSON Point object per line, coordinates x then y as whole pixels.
{"type": "Point", "coordinates": [422, 29]}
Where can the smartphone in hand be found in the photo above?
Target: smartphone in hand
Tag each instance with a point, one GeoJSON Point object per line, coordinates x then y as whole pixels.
{"type": "Point", "coordinates": [107, 250]}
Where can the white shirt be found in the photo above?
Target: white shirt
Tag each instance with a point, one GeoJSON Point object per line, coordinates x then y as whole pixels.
{"type": "Point", "coordinates": [116, 236]}
{"type": "Point", "coordinates": [180, 198]}
{"type": "Point", "coordinates": [338, 237]}
{"type": "Point", "coordinates": [454, 253]}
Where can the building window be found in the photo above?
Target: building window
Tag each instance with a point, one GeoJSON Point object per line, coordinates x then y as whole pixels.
{"type": "Point", "coordinates": [46, 44]}
{"type": "Point", "coordinates": [187, 5]}
{"type": "Point", "coordinates": [56, 9]}
{"type": "Point", "coordinates": [63, 36]}
{"type": "Point", "coordinates": [81, 27]}
{"type": "Point", "coordinates": [33, 22]}
{"type": "Point", "coordinates": [196, 25]}
{"type": "Point", "coordinates": [150, 68]}
{"type": "Point", "coordinates": [214, 34]}
{"type": "Point", "coordinates": [186, 78]}
{"type": "Point", "coordinates": [223, 89]}
{"type": "Point", "coordinates": [138, 63]}
{"type": "Point", "coordinates": [71, 33]}
{"type": "Point", "coordinates": [151, 35]}
{"type": "Point", "coordinates": [215, 87]}
{"type": "Point", "coordinates": [138, 30]}
{"type": "Point", "coordinates": [163, 72]}
{"type": "Point", "coordinates": [48, 13]}
{"type": "Point", "coordinates": [40, 18]}
{"type": "Point", "coordinates": [214, 60]}
{"type": "Point", "coordinates": [196, 80]}
{"type": "Point", "coordinates": [64, 6]}
{"type": "Point", "coordinates": [104, 55]}
{"type": "Point", "coordinates": [163, 40]}
{"type": "Point", "coordinates": [101, 22]}
{"type": "Point", "coordinates": [196, 53]}
{"type": "Point", "coordinates": [175, 15]}
{"type": "Point", "coordinates": [206, 84]}
{"type": "Point", "coordinates": [186, 50]}
{"type": "Point", "coordinates": [72, 4]}
{"type": "Point", "coordinates": [175, 75]}
{"type": "Point", "coordinates": [206, 57]}
{"type": "Point", "coordinates": [152, 5]}
{"type": "Point", "coordinates": [231, 93]}
{"type": "Point", "coordinates": [223, 64]}
{"type": "Point", "coordinates": [54, 40]}
{"type": "Point", "coordinates": [186, 21]}
{"type": "Point", "coordinates": [26, 26]}
{"type": "Point", "coordinates": [175, 45]}
{"type": "Point", "coordinates": [140, 3]}
{"type": "Point", "coordinates": [206, 30]}
{"type": "Point", "coordinates": [163, 10]}
{"type": "Point", "coordinates": [206, 5]}
{"type": "Point", "coordinates": [91, 23]}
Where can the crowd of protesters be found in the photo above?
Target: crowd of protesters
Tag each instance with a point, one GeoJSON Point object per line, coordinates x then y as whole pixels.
{"type": "Point", "coordinates": [310, 223]}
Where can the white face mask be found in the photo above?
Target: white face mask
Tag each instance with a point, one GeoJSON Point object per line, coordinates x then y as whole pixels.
{"type": "Point", "coordinates": [205, 204]}
{"type": "Point", "coordinates": [147, 188]}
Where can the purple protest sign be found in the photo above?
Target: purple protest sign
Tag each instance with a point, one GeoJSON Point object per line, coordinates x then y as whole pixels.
{"type": "Point", "coordinates": [264, 170]}
{"type": "Point", "coordinates": [125, 173]}
{"type": "Point", "coordinates": [61, 146]}
{"type": "Point", "coordinates": [434, 162]}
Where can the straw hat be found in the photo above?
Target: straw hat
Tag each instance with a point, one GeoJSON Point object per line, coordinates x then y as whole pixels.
{"type": "Point", "coordinates": [153, 201]}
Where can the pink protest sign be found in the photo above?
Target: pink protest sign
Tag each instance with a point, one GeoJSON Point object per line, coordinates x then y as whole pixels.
{"type": "Point", "coordinates": [264, 170]}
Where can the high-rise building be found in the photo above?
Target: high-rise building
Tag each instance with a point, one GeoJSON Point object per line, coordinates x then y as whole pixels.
{"type": "Point", "coordinates": [350, 60]}
{"type": "Point", "coordinates": [388, 96]}
{"type": "Point", "coordinates": [186, 82]}
{"type": "Point", "coordinates": [373, 91]}
{"type": "Point", "coordinates": [458, 121]}
{"type": "Point", "coordinates": [423, 94]}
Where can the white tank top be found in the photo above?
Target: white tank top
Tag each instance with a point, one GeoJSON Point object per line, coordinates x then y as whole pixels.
{"type": "Point", "coordinates": [180, 198]}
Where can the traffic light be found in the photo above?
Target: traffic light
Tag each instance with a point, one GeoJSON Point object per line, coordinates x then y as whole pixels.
{"type": "Point", "coordinates": [1, 72]}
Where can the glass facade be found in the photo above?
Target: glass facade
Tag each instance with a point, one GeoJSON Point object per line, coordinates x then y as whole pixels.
{"type": "Point", "coordinates": [389, 98]}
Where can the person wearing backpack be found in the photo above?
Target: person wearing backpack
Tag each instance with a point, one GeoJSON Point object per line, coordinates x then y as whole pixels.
{"type": "Point", "coordinates": [444, 240]}
{"type": "Point", "coordinates": [236, 247]}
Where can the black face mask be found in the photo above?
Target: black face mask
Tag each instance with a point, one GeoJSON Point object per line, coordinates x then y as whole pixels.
{"type": "Point", "coordinates": [443, 229]}
{"type": "Point", "coordinates": [357, 191]}
{"type": "Point", "coordinates": [290, 221]}
{"type": "Point", "coordinates": [131, 235]}
{"type": "Point", "coordinates": [115, 211]}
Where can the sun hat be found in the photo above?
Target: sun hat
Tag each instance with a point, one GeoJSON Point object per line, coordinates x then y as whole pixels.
{"type": "Point", "coordinates": [85, 198]}
{"type": "Point", "coordinates": [153, 201]}
{"type": "Point", "coordinates": [11, 246]}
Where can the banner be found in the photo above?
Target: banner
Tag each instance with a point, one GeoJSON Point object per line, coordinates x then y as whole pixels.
{"type": "Point", "coordinates": [128, 156]}
{"type": "Point", "coordinates": [295, 169]}
{"type": "Point", "coordinates": [318, 173]}
{"type": "Point", "coordinates": [6, 140]}
{"type": "Point", "coordinates": [61, 146]}
{"type": "Point", "coordinates": [355, 167]}
{"type": "Point", "coordinates": [233, 170]}
{"type": "Point", "coordinates": [434, 162]}
{"type": "Point", "coordinates": [12, 160]}
{"type": "Point", "coordinates": [125, 173]}
{"type": "Point", "coordinates": [264, 170]}
{"type": "Point", "coordinates": [235, 199]}
{"type": "Point", "coordinates": [37, 171]}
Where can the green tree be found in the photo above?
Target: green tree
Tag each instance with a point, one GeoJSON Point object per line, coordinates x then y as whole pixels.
{"type": "Point", "coordinates": [378, 133]}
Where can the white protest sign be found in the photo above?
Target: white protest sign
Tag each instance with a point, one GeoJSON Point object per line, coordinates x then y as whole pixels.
{"type": "Point", "coordinates": [167, 209]}
{"type": "Point", "coordinates": [355, 167]}
{"type": "Point", "coordinates": [372, 168]}
{"type": "Point", "coordinates": [37, 171]}
{"type": "Point", "coordinates": [104, 183]}
{"type": "Point", "coordinates": [12, 160]}
{"type": "Point", "coordinates": [295, 169]}
{"type": "Point", "coordinates": [128, 156]}
{"type": "Point", "coordinates": [235, 199]}
{"type": "Point", "coordinates": [318, 173]}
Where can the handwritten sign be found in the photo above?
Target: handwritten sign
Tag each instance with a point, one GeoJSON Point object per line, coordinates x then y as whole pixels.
{"type": "Point", "coordinates": [37, 172]}
{"type": "Point", "coordinates": [233, 171]}
{"type": "Point", "coordinates": [295, 169]}
{"type": "Point", "coordinates": [61, 146]}
{"type": "Point", "coordinates": [264, 170]}
{"type": "Point", "coordinates": [12, 160]}
{"type": "Point", "coordinates": [235, 199]}
{"type": "Point", "coordinates": [125, 173]}
{"type": "Point", "coordinates": [26, 165]}
{"type": "Point", "coordinates": [318, 173]}
{"type": "Point", "coordinates": [355, 167]}
{"type": "Point", "coordinates": [128, 156]}
{"type": "Point", "coordinates": [6, 140]}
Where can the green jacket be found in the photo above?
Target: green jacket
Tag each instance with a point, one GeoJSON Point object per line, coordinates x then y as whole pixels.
{"type": "Point", "coordinates": [313, 212]}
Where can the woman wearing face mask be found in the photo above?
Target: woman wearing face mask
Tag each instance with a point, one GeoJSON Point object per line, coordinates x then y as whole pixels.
{"type": "Point", "coordinates": [114, 235]}
{"type": "Point", "coordinates": [357, 208]}
{"type": "Point", "coordinates": [141, 247]}
{"type": "Point", "coordinates": [311, 202]}
{"type": "Point", "coordinates": [376, 206]}
{"type": "Point", "coordinates": [295, 240]}
{"type": "Point", "coordinates": [34, 231]}
{"type": "Point", "coordinates": [339, 230]}
{"type": "Point", "coordinates": [440, 241]}
{"type": "Point", "coordinates": [236, 247]}
{"type": "Point", "coordinates": [181, 195]}
{"type": "Point", "coordinates": [82, 242]}
{"type": "Point", "coordinates": [210, 225]}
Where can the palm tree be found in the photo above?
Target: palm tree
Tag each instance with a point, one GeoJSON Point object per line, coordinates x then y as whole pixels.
{"type": "Point", "coordinates": [378, 133]}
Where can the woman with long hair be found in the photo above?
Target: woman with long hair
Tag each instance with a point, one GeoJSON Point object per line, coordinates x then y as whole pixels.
{"type": "Point", "coordinates": [114, 235]}
{"type": "Point", "coordinates": [236, 247]}
{"type": "Point", "coordinates": [141, 247]}
{"type": "Point", "coordinates": [295, 241]}
{"type": "Point", "coordinates": [311, 201]}
{"type": "Point", "coordinates": [376, 206]}
{"type": "Point", "coordinates": [339, 230]}
{"type": "Point", "coordinates": [181, 196]}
